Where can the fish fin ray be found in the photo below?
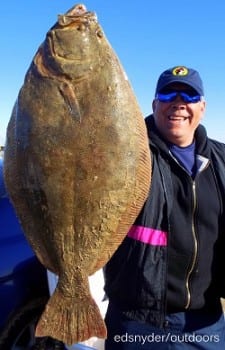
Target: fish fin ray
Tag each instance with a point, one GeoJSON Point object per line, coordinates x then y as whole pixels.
{"type": "Point", "coordinates": [70, 321]}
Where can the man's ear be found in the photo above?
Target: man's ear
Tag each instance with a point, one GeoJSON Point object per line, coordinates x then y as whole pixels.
{"type": "Point", "coordinates": [203, 107]}
{"type": "Point", "coordinates": [153, 105]}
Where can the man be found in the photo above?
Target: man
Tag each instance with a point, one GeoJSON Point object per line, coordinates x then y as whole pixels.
{"type": "Point", "coordinates": [165, 281]}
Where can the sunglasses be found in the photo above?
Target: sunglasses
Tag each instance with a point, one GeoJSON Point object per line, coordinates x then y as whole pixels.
{"type": "Point", "coordinates": [171, 96]}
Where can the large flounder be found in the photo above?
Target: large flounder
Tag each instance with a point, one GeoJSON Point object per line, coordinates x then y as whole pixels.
{"type": "Point", "coordinates": [77, 165]}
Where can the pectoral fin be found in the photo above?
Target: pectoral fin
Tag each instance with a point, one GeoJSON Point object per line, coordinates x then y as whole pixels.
{"type": "Point", "coordinates": [71, 101]}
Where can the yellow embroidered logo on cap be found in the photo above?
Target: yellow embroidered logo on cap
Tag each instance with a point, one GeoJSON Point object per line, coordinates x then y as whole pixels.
{"type": "Point", "coordinates": [180, 71]}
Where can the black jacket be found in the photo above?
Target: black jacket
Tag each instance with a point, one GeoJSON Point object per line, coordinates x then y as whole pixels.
{"type": "Point", "coordinates": [173, 258]}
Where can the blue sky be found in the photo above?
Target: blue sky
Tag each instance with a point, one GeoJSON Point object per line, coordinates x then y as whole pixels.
{"type": "Point", "coordinates": [148, 37]}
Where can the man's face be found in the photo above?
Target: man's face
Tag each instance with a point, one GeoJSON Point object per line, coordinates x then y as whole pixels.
{"type": "Point", "coordinates": [177, 120]}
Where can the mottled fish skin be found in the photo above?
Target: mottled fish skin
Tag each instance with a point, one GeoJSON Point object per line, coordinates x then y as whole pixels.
{"type": "Point", "coordinates": [77, 166]}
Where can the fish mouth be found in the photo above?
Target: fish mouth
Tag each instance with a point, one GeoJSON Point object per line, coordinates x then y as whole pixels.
{"type": "Point", "coordinates": [77, 14]}
{"type": "Point", "coordinates": [60, 54]}
{"type": "Point", "coordinates": [62, 63]}
{"type": "Point", "coordinates": [77, 10]}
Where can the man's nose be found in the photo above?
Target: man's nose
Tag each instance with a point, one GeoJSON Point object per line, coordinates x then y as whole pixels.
{"type": "Point", "coordinates": [178, 103]}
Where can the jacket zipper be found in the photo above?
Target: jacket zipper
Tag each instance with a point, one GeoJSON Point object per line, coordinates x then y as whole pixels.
{"type": "Point", "coordinates": [187, 284]}
{"type": "Point", "coordinates": [194, 235]}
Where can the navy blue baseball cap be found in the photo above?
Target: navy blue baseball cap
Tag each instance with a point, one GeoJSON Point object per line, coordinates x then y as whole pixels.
{"type": "Point", "coordinates": [180, 74]}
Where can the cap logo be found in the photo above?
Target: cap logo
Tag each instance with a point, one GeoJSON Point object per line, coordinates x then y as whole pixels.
{"type": "Point", "coordinates": [180, 71]}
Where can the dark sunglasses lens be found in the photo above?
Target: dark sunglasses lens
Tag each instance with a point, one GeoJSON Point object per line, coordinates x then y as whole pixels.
{"type": "Point", "coordinates": [168, 97]}
{"type": "Point", "coordinates": [190, 98]}
{"type": "Point", "coordinates": [171, 96]}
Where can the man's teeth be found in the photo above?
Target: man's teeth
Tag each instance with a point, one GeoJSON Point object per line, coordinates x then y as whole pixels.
{"type": "Point", "coordinates": [177, 118]}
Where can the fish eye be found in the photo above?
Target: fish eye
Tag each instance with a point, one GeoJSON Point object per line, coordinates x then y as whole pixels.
{"type": "Point", "coordinates": [81, 27]}
{"type": "Point", "coordinates": [99, 33]}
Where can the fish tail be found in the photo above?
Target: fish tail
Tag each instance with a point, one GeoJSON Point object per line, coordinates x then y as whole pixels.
{"type": "Point", "coordinates": [70, 320]}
